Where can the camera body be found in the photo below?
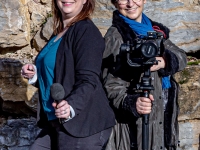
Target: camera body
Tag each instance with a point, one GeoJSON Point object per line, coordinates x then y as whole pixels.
{"type": "Point", "coordinates": [143, 50]}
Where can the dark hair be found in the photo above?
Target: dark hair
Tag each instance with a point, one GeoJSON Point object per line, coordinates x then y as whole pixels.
{"type": "Point", "coordinates": [113, 2]}
{"type": "Point", "coordinates": [86, 11]}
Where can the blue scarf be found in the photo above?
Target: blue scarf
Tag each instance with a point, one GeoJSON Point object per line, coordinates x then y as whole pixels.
{"type": "Point", "coordinates": [141, 30]}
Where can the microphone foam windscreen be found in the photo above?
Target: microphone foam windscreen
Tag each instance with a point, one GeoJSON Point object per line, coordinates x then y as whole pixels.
{"type": "Point", "coordinates": [57, 91]}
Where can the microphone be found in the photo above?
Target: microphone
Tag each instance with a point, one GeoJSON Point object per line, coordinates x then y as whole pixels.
{"type": "Point", "coordinates": [58, 93]}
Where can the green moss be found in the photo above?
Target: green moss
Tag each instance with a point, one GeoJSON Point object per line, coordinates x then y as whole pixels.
{"type": "Point", "coordinates": [194, 62]}
{"type": "Point", "coordinates": [49, 15]}
{"type": "Point", "coordinates": [184, 76]}
{"type": "Point", "coordinates": [46, 18]}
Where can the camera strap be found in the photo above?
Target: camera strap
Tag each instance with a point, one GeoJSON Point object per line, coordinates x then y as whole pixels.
{"type": "Point", "coordinates": [157, 29]}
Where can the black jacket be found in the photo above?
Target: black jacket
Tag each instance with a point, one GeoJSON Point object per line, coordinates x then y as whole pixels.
{"type": "Point", "coordinates": [77, 68]}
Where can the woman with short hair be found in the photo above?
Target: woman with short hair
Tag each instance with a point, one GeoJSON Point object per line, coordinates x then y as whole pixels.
{"type": "Point", "coordinates": [122, 73]}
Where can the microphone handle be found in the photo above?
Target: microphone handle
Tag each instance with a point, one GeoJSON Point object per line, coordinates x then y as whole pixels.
{"type": "Point", "coordinates": [57, 101]}
{"type": "Point", "coordinates": [61, 120]}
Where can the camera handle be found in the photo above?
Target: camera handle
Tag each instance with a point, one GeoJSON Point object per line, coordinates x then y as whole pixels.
{"type": "Point", "coordinates": [146, 87]}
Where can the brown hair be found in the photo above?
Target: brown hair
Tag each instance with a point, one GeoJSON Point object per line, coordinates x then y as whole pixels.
{"type": "Point", "coordinates": [86, 11]}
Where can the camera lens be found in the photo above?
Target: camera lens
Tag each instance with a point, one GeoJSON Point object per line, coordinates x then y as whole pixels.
{"type": "Point", "coordinates": [149, 49]}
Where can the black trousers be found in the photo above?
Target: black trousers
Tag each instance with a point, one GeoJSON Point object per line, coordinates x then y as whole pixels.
{"type": "Point", "coordinates": [55, 137]}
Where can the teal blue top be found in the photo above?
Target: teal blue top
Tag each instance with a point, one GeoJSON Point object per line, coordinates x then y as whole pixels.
{"type": "Point", "coordinates": [45, 64]}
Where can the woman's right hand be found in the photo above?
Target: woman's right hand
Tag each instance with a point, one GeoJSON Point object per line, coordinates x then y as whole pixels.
{"type": "Point", "coordinates": [28, 71]}
{"type": "Point", "coordinates": [144, 105]}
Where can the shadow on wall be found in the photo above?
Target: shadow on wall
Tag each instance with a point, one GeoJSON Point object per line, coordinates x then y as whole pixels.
{"type": "Point", "coordinates": [17, 98]}
{"type": "Point", "coordinates": [195, 54]}
{"type": "Point", "coordinates": [18, 103]}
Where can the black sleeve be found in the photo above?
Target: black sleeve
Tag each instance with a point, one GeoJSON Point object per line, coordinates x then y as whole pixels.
{"type": "Point", "coordinates": [129, 104]}
{"type": "Point", "coordinates": [88, 52]}
{"type": "Point", "coordinates": [175, 59]}
{"type": "Point", "coordinates": [172, 64]}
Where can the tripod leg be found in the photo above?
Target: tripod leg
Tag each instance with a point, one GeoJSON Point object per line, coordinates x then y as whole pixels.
{"type": "Point", "coordinates": [145, 132]}
{"type": "Point", "coordinates": [145, 127]}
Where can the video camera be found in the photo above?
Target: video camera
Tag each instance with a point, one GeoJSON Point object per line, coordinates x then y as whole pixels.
{"type": "Point", "coordinates": [143, 50]}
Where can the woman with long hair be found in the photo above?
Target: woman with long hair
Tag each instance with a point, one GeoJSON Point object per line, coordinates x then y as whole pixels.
{"type": "Point", "coordinates": [72, 58]}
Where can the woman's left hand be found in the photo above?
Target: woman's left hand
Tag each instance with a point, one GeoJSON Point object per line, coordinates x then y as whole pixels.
{"type": "Point", "coordinates": [161, 64]}
{"type": "Point", "coordinates": [62, 110]}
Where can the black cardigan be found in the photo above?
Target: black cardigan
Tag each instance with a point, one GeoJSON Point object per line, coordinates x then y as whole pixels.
{"type": "Point", "coordinates": [77, 68]}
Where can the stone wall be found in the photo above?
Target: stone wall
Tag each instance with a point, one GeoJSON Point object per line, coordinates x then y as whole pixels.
{"type": "Point", "coordinates": [189, 102]}
{"type": "Point", "coordinates": [25, 27]}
